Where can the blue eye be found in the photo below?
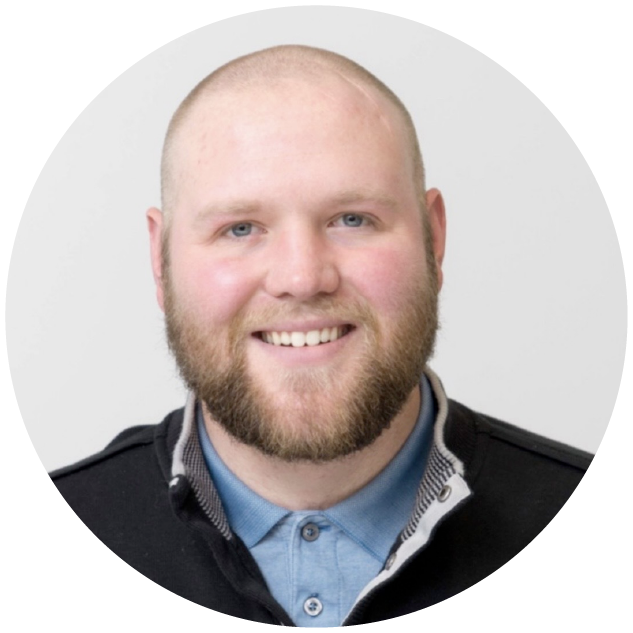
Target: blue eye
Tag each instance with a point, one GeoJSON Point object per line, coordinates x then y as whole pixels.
{"type": "Point", "coordinates": [241, 230]}
{"type": "Point", "coordinates": [352, 219]}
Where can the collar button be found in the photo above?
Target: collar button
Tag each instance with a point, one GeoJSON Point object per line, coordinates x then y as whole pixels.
{"type": "Point", "coordinates": [310, 532]}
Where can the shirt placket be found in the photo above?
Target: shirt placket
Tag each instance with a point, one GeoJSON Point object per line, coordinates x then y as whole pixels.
{"type": "Point", "coordinates": [315, 568]}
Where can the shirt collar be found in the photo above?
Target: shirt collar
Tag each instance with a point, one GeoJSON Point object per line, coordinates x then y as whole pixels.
{"type": "Point", "coordinates": [373, 516]}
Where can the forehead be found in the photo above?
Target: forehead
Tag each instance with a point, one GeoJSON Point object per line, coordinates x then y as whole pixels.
{"type": "Point", "coordinates": [261, 129]}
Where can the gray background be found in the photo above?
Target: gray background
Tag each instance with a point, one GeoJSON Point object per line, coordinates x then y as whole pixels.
{"type": "Point", "coordinates": [533, 308]}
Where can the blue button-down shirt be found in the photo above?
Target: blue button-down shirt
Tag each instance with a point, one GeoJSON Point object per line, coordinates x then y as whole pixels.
{"type": "Point", "coordinates": [317, 562]}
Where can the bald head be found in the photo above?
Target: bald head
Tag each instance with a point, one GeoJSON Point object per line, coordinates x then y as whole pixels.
{"type": "Point", "coordinates": [276, 69]}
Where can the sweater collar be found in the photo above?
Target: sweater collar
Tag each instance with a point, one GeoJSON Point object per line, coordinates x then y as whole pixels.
{"type": "Point", "coordinates": [442, 465]}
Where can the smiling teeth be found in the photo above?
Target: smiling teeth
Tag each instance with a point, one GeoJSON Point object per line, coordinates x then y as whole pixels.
{"type": "Point", "coordinates": [300, 339]}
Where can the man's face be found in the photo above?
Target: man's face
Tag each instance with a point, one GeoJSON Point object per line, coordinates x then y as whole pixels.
{"type": "Point", "coordinates": [296, 220]}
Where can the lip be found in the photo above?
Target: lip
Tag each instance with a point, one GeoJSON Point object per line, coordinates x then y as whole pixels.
{"type": "Point", "coordinates": [302, 326]}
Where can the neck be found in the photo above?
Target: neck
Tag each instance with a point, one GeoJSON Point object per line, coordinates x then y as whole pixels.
{"type": "Point", "coordinates": [313, 486]}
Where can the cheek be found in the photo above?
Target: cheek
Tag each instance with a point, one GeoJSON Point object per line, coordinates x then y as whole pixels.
{"type": "Point", "coordinates": [387, 277]}
{"type": "Point", "coordinates": [215, 290]}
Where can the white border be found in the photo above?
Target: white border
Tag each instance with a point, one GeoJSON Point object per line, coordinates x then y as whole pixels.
{"type": "Point", "coordinates": [58, 56]}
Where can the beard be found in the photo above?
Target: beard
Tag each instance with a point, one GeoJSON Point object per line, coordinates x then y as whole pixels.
{"type": "Point", "coordinates": [315, 414]}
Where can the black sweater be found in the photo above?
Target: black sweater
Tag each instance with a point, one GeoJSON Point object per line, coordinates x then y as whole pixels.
{"type": "Point", "coordinates": [166, 520]}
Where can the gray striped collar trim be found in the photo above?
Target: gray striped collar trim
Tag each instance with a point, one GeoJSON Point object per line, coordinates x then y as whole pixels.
{"type": "Point", "coordinates": [442, 466]}
{"type": "Point", "coordinates": [188, 461]}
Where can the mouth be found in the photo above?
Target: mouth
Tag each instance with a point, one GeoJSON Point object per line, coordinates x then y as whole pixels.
{"type": "Point", "coordinates": [311, 338]}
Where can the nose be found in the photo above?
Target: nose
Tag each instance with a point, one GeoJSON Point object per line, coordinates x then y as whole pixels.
{"type": "Point", "coordinates": [301, 265]}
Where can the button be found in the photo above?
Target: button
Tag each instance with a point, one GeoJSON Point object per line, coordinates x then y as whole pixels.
{"type": "Point", "coordinates": [445, 493]}
{"type": "Point", "coordinates": [312, 606]}
{"type": "Point", "coordinates": [390, 561]}
{"type": "Point", "coordinates": [310, 532]}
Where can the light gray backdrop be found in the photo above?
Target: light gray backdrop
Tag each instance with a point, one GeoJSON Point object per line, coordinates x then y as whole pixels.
{"type": "Point", "coordinates": [533, 307]}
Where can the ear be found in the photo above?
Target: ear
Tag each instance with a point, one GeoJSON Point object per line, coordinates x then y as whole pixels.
{"type": "Point", "coordinates": [155, 228]}
{"type": "Point", "coordinates": [437, 221]}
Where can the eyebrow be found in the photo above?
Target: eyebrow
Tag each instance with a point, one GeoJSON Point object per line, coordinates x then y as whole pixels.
{"type": "Point", "coordinates": [229, 210]}
{"type": "Point", "coordinates": [355, 196]}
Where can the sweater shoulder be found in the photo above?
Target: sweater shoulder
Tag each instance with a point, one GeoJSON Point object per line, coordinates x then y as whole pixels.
{"type": "Point", "coordinates": [511, 436]}
{"type": "Point", "coordinates": [126, 444]}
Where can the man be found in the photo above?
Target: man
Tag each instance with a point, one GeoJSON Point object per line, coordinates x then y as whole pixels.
{"type": "Point", "coordinates": [318, 475]}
